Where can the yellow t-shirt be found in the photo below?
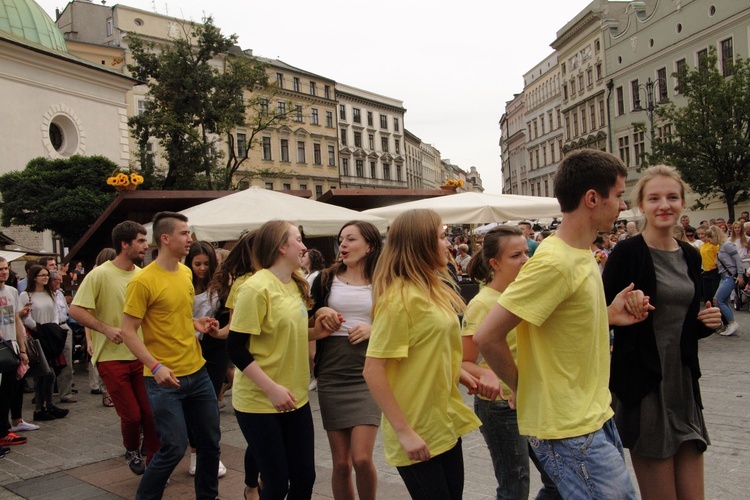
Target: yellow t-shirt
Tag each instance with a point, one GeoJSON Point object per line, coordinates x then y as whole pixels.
{"type": "Point", "coordinates": [475, 313]}
{"type": "Point", "coordinates": [164, 301]}
{"type": "Point", "coordinates": [275, 315]}
{"type": "Point", "coordinates": [423, 345]}
{"type": "Point", "coordinates": [232, 296]}
{"type": "Point", "coordinates": [563, 343]}
{"type": "Point", "coordinates": [103, 294]}
{"type": "Point", "coordinates": [709, 252]}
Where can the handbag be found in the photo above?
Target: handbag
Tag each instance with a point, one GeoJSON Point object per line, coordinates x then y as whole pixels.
{"type": "Point", "coordinates": [9, 359]}
{"type": "Point", "coordinates": [38, 366]}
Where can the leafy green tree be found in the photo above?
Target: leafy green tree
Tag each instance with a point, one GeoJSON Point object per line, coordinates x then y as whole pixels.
{"type": "Point", "coordinates": [709, 141]}
{"type": "Point", "coordinates": [201, 88]}
{"type": "Point", "coordinates": [65, 195]}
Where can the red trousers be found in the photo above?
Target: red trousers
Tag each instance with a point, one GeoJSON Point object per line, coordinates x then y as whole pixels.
{"type": "Point", "coordinates": [127, 388]}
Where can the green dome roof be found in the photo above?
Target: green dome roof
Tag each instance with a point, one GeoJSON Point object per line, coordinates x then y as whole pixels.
{"type": "Point", "coordinates": [24, 18]}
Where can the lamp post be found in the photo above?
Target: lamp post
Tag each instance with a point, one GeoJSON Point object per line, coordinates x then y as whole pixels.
{"type": "Point", "coordinates": [651, 103]}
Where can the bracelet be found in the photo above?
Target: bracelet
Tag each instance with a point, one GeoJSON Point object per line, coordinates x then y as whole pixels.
{"type": "Point", "coordinates": [153, 372]}
{"type": "Point", "coordinates": [22, 352]}
{"type": "Point", "coordinates": [155, 367]}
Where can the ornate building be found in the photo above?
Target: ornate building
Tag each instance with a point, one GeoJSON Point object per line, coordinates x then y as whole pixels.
{"type": "Point", "coordinates": [544, 129]}
{"type": "Point", "coordinates": [579, 49]}
{"type": "Point", "coordinates": [56, 104]}
{"type": "Point", "coordinates": [371, 139]}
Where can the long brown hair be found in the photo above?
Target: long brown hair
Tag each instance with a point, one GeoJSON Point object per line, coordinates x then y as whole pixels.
{"type": "Point", "coordinates": [268, 241]}
{"type": "Point", "coordinates": [238, 263]}
{"type": "Point", "coordinates": [31, 280]}
{"type": "Point", "coordinates": [411, 253]}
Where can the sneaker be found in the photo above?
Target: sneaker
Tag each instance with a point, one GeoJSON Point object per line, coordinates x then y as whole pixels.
{"type": "Point", "coordinates": [69, 399]}
{"type": "Point", "coordinates": [731, 329]}
{"type": "Point", "coordinates": [43, 416]}
{"type": "Point", "coordinates": [57, 412]}
{"type": "Point", "coordinates": [135, 462]}
{"type": "Point", "coordinates": [24, 426]}
{"type": "Point", "coordinates": [191, 469]}
{"type": "Point", "coordinates": [4, 450]}
{"type": "Point", "coordinates": [13, 439]}
{"type": "Point", "coordinates": [313, 385]}
{"type": "Point", "coordinates": [222, 469]}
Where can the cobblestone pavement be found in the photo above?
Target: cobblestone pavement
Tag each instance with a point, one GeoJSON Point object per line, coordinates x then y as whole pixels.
{"type": "Point", "coordinates": [81, 456]}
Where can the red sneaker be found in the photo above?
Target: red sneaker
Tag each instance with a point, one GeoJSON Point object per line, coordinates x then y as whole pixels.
{"type": "Point", "coordinates": [12, 440]}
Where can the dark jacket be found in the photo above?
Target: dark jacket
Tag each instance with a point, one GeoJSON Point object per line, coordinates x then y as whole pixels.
{"type": "Point", "coordinates": [636, 367]}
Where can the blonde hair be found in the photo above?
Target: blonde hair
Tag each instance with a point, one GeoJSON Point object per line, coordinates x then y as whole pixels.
{"type": "Point", "coordinates": [411, 253]}
{"type": "Point", "coordinates": [718, 234]}
{"type": "Point", "coordinates": [650, 174]}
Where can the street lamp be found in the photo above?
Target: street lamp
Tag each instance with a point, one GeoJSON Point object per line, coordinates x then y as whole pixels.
{"type": "Point", "coordinates": [651, 104]}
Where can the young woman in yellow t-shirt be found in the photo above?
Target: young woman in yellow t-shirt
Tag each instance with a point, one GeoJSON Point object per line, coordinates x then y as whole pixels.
{"type": "Point", "coordinates": [268, 344]}
{"type": "Point", "coordinates": [504, 252]}
{"type": "Point", "coordinates": [414, 358]}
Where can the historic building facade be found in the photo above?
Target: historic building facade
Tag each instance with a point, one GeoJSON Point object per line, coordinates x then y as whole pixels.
{"type": "Point", "coordinates": [302, 152]}
{"type": "Point", "coordinates": [648, 47]}
{"type": "Point", "coordinates": [579, 47]}
{"type": "Point", "coordinates": [513, 146]}
{"type": "Point", "coordinates": [544, 129]}
{"type": "Point", "coordinates": [371, 139]}
{"type": "Point", "coordinates": [57, 104]}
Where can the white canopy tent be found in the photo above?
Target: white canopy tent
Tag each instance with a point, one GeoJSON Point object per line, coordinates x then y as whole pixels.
{"type": "Point", "coordinates": [226, 218]}
{"type": "Point", "coordinates": [477, 208]}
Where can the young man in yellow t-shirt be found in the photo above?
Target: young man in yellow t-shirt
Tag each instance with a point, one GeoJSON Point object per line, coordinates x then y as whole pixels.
{"type": "Point", "coordinates": [557, 303]}
{"type": "Point", "coordinates": [159, 300]}
{"type": "Point", "coordinates": [98, 305]}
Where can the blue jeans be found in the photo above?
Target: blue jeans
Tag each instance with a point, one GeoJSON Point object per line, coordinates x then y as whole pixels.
{"type": "Point", "coordinates": [509, 451]}
{"type": "Point", "coordinates": [726, 285]}
{"type": "Point", "coordinates": [587, 467]}
{"type": "Point", "coordinates": [193, 405]}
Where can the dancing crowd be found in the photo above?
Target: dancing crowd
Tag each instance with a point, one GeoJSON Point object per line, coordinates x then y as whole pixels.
{"type": "Point", "coordinates": [388, 339]}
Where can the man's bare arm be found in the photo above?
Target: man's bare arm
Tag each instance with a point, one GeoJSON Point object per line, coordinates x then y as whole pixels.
{"type": "Point", "coordinates": [491, 339]}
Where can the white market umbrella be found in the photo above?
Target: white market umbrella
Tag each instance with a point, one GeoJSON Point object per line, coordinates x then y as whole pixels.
{"type": "Point", "coordinates": [227, 217]}
{"type": "Point", "coordinates": [477, 208]}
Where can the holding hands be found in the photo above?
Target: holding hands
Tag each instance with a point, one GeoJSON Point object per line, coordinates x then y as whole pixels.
{"type": "Point", "coordinates": [629, 307]}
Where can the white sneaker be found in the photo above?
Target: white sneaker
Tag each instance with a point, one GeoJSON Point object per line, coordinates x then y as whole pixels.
{"type": "Point", "coordinates": [191, 469]}
{"type": "Point", "coordinates": [24, 426]}
{"type": "Point", "coordinates": [222, 469]}
{"type": "Point", "coordinates": [313, 385]}
{"type": "Point", "coordinates": [731, 329]}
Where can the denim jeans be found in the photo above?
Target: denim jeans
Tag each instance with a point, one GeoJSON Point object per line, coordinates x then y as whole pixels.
{"type": "Point", "coordinates": [509, 451]}
{"type": "Point", "coordinates": [192, 404]}
{"type": "Point", "coordinates": [591, 466]}
{"type": "Point", "coordinates": [726, 285]}
{"type": "Point", "coordinates": [439, 478]}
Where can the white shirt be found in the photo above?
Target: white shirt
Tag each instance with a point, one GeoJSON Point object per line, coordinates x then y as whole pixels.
{"type": "Point", "coordinates": [353, 302]}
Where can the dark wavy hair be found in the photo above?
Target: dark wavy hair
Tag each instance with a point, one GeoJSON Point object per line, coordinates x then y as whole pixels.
{"type": "Point", "coordinates": [202, 248]}
{"type": "Point", "coordinates": [238, 263]}
{"type": "Point", "coordinates": [372, 237]}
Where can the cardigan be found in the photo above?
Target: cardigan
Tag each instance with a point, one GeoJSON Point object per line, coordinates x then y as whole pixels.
{"type": "Point", "coordinates": [636, 367]}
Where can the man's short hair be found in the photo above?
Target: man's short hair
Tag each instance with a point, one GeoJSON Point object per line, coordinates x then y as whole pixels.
{"type": "Point", "coordinates": [586, 169]}
{"type": "Point", "coordinates": [3, 259]}
{"type": "Point", "coordinates": [125, 232]}
{"type": "Point", "coordinates": [43, 261]}
{"type": "Point", "coordinates": [524, 223]}
{"type": "Point", "coordinates": [164, 223]}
